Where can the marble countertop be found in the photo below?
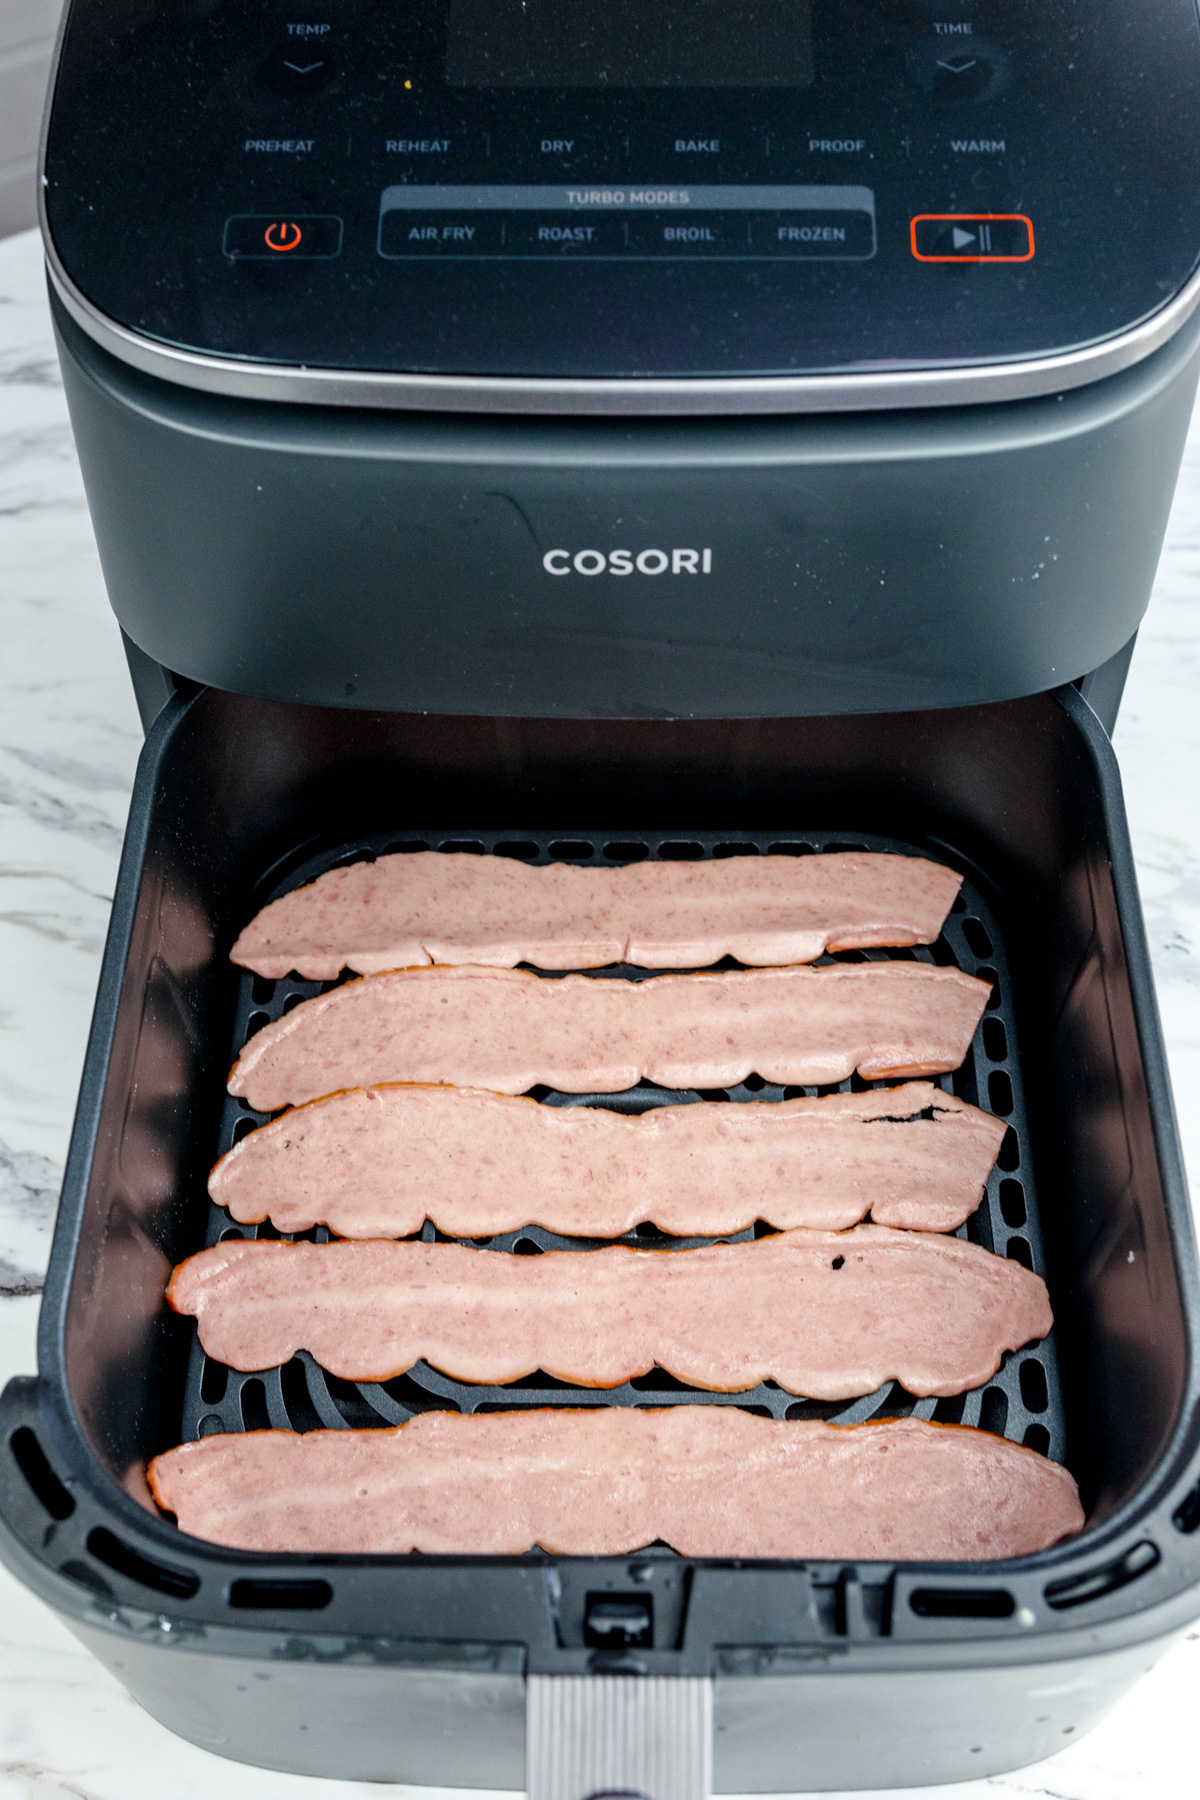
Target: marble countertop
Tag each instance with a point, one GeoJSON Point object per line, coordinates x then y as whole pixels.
{"type": "Point", "coordinates": [69, 740]}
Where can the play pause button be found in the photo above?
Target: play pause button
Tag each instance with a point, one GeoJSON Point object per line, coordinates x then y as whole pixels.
{"type": "Point", "coordinates": [972, 237]}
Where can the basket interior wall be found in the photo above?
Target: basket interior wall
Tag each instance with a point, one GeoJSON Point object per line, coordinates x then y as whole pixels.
{"type": "Point", "coordinates": [251, 789]}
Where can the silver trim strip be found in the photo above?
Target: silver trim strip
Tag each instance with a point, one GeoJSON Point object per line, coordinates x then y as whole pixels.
{"type": "Point", "coordinates": [866, 390]}
{"type": "Point", "coordinates": [869, 391]}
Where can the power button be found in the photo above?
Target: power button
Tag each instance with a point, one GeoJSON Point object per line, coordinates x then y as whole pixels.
{"type": "Point", "coordinates": [281, 237]}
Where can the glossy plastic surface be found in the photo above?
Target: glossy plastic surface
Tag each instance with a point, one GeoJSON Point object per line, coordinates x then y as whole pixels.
{"type": "Point", "coordinates": [656, 568]}
{"type": "Point", "coordinates": [350, 193]}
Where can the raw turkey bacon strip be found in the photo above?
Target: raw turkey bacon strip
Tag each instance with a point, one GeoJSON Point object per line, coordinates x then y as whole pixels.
{"type": "Point", "coordinates": [831, 1315]}
{"type": "Point", "coordinates": [427, 907]}
{"type": "Point", "coordinates": [508, 1030]}
{"type": "Point", "coordinates": [376, 1162]}
{"type": "Point", "coordinates": [709, 1480]}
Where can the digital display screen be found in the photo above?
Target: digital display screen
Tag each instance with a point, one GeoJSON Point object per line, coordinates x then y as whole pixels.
{"type": "Point", "coordinates": [629, 44]}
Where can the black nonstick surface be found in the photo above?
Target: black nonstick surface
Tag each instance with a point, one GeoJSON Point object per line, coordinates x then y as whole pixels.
{"type": "Point", "coordinates": [1023, 1401]}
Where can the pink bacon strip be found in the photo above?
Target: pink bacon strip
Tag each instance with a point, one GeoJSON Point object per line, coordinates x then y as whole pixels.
{"type": "Point", "coordinates": [376, 1162]}
{"type": "Point", "coordinates": [709, 1480]}
{"type": "Point", "coordinates": [508, 1030]}
{"type": "Point", "coordinates": [828, 1314]}
{"type": "Point", "coordinates": [428, 908]}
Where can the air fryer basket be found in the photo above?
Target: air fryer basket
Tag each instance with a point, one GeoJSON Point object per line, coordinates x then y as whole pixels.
{"type": "Point", "coordinates": [412, 1668]}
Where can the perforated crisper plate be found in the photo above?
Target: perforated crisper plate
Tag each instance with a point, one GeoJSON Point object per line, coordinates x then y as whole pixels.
{"type": "Point", "coordinates": [1022, 1401]}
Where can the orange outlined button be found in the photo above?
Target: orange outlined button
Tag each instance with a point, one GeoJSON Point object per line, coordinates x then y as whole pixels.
{"type": "Point", "coordinates": [282, 237]}
{"type": "Point", "coordinates": [972, 237]}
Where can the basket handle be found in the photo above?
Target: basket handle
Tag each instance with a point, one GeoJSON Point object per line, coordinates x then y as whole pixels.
{"type": "Point", "coordinates": [642, 1737]}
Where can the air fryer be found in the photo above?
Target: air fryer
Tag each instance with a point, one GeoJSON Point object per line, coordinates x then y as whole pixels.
{"type": "Point", "coordinates": [579, 431]}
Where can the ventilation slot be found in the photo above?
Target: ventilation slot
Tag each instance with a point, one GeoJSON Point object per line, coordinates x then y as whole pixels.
{"type": "Point", "coordinates": [1000, 1093]}
{"type": "Point", "coordinates": [1033, 1386]}
{"type": "Point", "coordinates": [1012, 1204]}
{"type": "Point", "coordinates": [1186, 1517]}
{"type": "Point", "coordinates": [977, 937]}
{"type": "Point", "coordinates": [255, 1416]}
{"type": "Point", "coordinates": [280, 1596]}
{"type": "Point", "coordinates": [300, 1409]}
{"type": "Point", "coordinates": [962, 1603]}
{"type": "Point", "coordinates": [1098, 1582]}
{"type": "Point", "coordinates": [352, 1403]}
{"type": "Point", "coordinates": [123, 1560]}
{"type": "Point", "coordinates": [30, 1458]}
{"type": "Point", "coordinates": [214, 1380]}
{"type": "Point", "coordinates": [993, 1410]}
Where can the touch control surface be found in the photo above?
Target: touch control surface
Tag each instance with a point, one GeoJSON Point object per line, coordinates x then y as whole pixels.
{"type": "Point", "coordinates": [638, 219]}
{"type": "Point", "coordinates": [601, 188]}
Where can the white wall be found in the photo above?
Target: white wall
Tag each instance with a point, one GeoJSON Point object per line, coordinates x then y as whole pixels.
{"type": "Point", "coordinates": [27, 29]}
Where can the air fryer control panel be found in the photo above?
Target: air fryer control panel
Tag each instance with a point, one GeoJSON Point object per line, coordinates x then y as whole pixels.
{"type": "Point", "coordinates": [627, 187]}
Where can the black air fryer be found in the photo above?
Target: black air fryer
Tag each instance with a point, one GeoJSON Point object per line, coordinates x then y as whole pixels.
{"type": "Point", "coordinates": [580, 430]}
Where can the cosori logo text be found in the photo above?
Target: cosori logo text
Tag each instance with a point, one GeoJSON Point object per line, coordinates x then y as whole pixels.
{"type": "Point", "coordinates": [628, 562]}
